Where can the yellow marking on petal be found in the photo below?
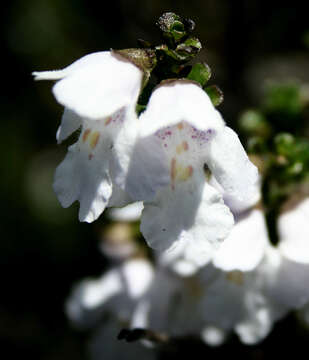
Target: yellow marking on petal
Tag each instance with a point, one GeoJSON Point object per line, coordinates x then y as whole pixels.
{"type": "Point", "coordinates": [94, 139]}
{"type": "Point", "coordinates": [86, 134]}
{"type": "Point", "coordinates": [173, 168]}
{"type": "Point", "coordinates": [179, 173]}
{"type": "Point", "coordinates": [182, 147]}
{"type": "Point", "coordinates": [236, 277]}
{"type": "Point", "coordinates": [173, 172]}
{"type": "Point", "coordinates": [108, 121]}
{"type": "Point", "coordinates": [179, 149]}
{"type": "Point", "coordinates": [183, 173]}
{"type": "Point", "coordinates": [180, 126]}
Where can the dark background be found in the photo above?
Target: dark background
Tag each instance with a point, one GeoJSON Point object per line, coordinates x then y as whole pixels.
{"type": "Point", "coordinates": [44, 250]}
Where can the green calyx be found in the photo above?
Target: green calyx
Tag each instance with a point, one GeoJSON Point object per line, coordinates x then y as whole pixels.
{"type": "Point", "coordinates": [144, 59]}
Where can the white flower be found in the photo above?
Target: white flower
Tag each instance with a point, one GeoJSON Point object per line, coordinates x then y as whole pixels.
{"type": "Point", "coordinates": [99, 93]}
{"type": "Point", "coordinates": [249, 285]}
{"type": "Point", "coordinates": [107, 304]}
{"type": "Point", "coordinates": [131, 212]}
{"type": "Point", "coordinates": [293, 229]}
{"type": "Point", "coordinates": [115, 292]}
{"type": "Point", "coordinates": [189, 212]}
{"type": "Point", "coordinates": [213, 303]}
{"type": "Point", "coordinates": [291, 285]}
{"type": "Point", "coordinates": [245, 246]}
{"type": "Point", "coordinates": [118, 241]}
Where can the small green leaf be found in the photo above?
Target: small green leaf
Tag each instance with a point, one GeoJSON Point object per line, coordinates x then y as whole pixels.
{"type": "Point", "coordinates": [189, 49]}
{"type": "Point", "coordinates": [179, 57]}
{"type": "Point", "coordinates": [215, 94]}
{"type": "Point", "coordinates": [200, 73]}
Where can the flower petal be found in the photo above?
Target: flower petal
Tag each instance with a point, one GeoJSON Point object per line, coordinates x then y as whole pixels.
{"type": "Point", "coordinates": [245, 246]}
{"type": "Point", "coordinates": [143, 169]}
{"type": "Point", "coordinates": [83, 179]}
{"type": "Point", "coordinates": [137, 275]}
{"type": "Point", "coordinates": [258, 322]}
{"type": "Point", "coordinates": [177, 101]}
{"type": "Point", "coordinates": [236, 205]}
{"type": "Point", "coordinates": [197, 216]}
{"type": "Point", "coordinates": [293, 229]}
{"type": "Point", "coordinates": [289, 285]}
{"type": "Point", "coordinates": [97, 85]}
{"type": "Point", "coordinates": [131, 212]}
{"type": "Point", "coordinates": [231, 166]}
{"type": "Point", "coordinates": [70, 122]}
{"type": "Point", "coordinates": [85, 61]}
{"type": "Point", "coordinates": [213, 336]}
{"type": "Point", "coordinates": [119, 198]}
{"type": "Point", "coordinates": [87, 299]}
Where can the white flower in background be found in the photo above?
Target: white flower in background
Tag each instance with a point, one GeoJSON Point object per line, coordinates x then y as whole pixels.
{"type": "Point", "coordinates": [188, 210]}
{"type": "Point", "coordinates": [99, 93]}
{"type": "Point", "coordinates": [243, 249]}
{"type": "Point", "coordinates": [106, 306]}
{"type": "Point", "coordinates": [131, 212]}
{"type": "Point", "coordinates": [293, 230]}
{"type": "Point", "coordinates": [218, 302]}
{"type": "Point", "coordinates": [291, 286]}
{"type": "Point", "coordinates": [282, 276]}
{"type": "Point", "coordinates": [118, 241]}
{"type": "Point", "coordinates": [293, 227]}
{"type": "Point", "coordinates": [249, 285]}
{"type": "Point", "coordinates": [245, 246]}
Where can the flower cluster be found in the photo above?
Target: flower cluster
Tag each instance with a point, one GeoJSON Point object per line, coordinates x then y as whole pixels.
{"type": "Point", "coordinates": [171, 163]}
{"type": "Point", "coordinates": [245, 287]}
{"type": "Point", "coordinates": [159, 157]}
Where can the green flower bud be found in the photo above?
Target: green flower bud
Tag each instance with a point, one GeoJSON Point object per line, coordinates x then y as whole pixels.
{"type": "Point", "coordinates": [174, 28]}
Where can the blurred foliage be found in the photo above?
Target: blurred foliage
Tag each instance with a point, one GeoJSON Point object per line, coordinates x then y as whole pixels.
{"type": "Point", "coordinates": [44, 249]}
{"type": "Point", "coordinates": [283, 156]}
